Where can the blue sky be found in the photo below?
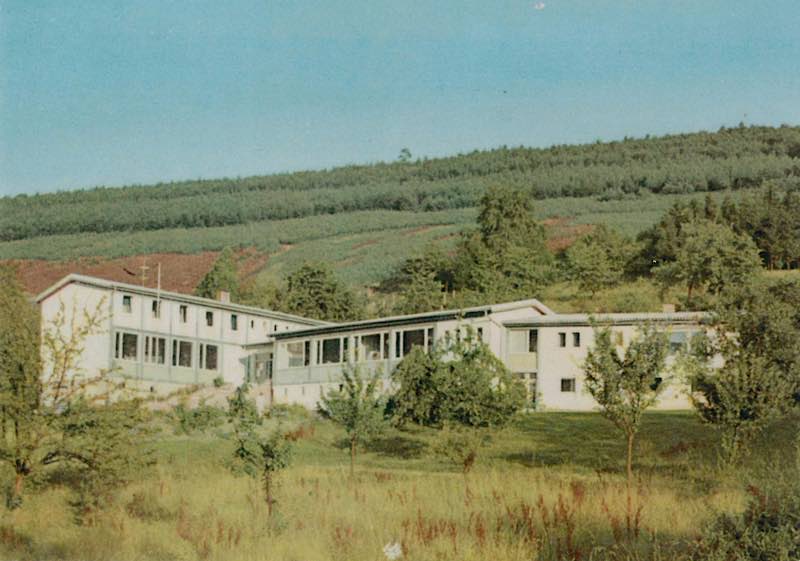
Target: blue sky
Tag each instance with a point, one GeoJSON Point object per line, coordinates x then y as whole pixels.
{"type": "Point", "coordinates": [112, 92]}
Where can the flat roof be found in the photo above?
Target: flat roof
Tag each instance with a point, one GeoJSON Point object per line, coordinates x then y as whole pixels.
{"type": "Point", "coordinates": [177, 296]}
{"type": "Point", "coordinates": [558, 320]}
{"type": "Point", "coordinates": [410, 319]}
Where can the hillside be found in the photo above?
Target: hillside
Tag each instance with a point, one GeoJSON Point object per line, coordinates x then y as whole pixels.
{"type": "Point", "coordinates": [366, 219]}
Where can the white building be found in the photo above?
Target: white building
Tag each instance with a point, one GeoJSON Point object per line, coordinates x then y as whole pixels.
{"type": "Point", "coordinates": [161, 340]}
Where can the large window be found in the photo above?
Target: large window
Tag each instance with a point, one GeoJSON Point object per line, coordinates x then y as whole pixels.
{"type": "Point", "coordinates": [371, 346]}
{"type": "Point", "coordinates": [155, 350]}
{"type": "Point", "coordinates": [181, 353]}
{"type": "Point", "coordinates": [208, 357]}
{"type": "Point", "coordinates": [523, 341]}
{"type": "Point", "coordinates": [126, 346]}
{"type": "Point", "coordinates": [298, 353]}
{"type": "Point", "coordinates": [331, 351]}
{"type": "Point", "coordinates": [413, 338]}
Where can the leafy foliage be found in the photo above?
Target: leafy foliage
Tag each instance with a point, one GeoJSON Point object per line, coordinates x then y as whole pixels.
{"type": "Point", "coordinates": [223, 276]}
{"type": "Point", "coordinates": [314, 291]}
{"type": "Point", "coordinates": [256, 454]}
{"type": "Point", "coordinates": [755, 332]}
{"type": "Point", "coordinates": [710, 256]}
{"type": "Point", "coordinates": [626, 384]}
{"type": "Point", "coordinates": [598, 259]}
{"type": "Point", "coordinates": [357, 407]}
{"type": "Point", "coordinates": [53, 414]}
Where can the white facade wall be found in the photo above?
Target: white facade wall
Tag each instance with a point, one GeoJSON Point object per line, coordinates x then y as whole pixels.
{"type": "Point", "coordinates": [165, 321]}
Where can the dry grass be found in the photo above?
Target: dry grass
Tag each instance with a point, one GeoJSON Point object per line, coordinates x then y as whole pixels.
{"type": "Point", "coordinates": [192, 507]}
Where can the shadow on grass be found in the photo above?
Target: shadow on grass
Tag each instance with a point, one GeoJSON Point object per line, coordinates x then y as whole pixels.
{"type": "Point", "coordinates": [397, 446]}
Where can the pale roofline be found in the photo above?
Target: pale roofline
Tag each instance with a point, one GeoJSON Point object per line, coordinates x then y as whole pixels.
{"type": "Point", "coordinates": [86, 280]}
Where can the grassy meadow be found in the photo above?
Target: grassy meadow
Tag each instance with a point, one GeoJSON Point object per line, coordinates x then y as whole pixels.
{"type": "Point", "coordinates": [550, 487]}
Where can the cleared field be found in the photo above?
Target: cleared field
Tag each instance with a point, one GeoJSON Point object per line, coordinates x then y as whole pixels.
{"type": "Point", "coordinates": [551, 487]}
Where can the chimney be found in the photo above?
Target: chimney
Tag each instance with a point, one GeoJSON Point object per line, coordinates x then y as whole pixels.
{"type": "Point", "coordinates": [224, 296]}
{"type": "Point", "coordinates": [668, 308]}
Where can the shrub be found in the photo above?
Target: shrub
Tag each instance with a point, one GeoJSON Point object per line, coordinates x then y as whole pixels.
{"type": "Point", "coordinates": [199, 419]}
{"type": "Point", "coordinates": [769, 529]}
{"type": "Point", "coordinates": [218, 382]}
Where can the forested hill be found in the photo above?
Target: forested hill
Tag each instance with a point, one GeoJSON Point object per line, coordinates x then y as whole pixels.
{"type": "Point", "coordinates": [730, 158]}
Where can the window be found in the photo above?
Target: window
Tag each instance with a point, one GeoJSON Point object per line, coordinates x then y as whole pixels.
{"type": "Point", "coordinates": [678, 341]}
{"type": "Point", "coordinates": [208, 357]}
{"type": "Point", "coordinates": [562, 339]}
{"type": "Point", "coordinates": [181, 353]}
{"type": "Point", "coordinates": [413, 338]}
{"type": "Point", "coordinates": [252, 324]}
{"type": "Point", "coordinates": [576, 339]}
{"type": "Point", "coordinates": [130, 343]}
{"type": "Point", "coordinates": [518, 341]}
{"type": "Point", "coordinates": [568, 385]}
{"type": "Point", "coordinates": [156, 307]}
{"type": "Point", "coordinates": [297, 354]}
{"type": "Point", "coordinates": [331, 351]}
{"type": "Point", "coordinates": [126, 346]}
{"type": "Point", "coordinates": [234, 322]}
{"type": "Point", "coordinates": [182, 313]}
{"type": "Point", "coordinates": [275, 327]}
{"type": "Point", "coordinates": [155, 350]}
{"type": "Point", "coordinates": [533, 340]}
{"type": "Point", "coordinates": [371, 345]}
{"type": "Point", "coordinates": [126, 304]}
{"type": "Point", "coordinates": [480, 333]}
{"type": "Point", "coordinates": [307, 353]}
{"type": "Point", "coordinates": [429, 338]}
{"type": "Point", "coordinates": [209, 319]}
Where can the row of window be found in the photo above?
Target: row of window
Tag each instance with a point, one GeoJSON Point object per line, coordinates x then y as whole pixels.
{"type": "Point", "coordinates": [374, 346]}
{"type": "Point", "coordinates": [183, 314]}
{"type": "Point", "coordinates": [126, 347]}
{"type": "Point", "coordinates": [527, 341]}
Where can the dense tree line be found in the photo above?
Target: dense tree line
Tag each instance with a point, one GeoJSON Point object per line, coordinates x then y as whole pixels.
{"type": "Point", "coordinates": [735, 158]}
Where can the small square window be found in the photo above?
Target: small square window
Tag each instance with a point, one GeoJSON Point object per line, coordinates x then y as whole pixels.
{"type": "Point", "coordinates": [576, 339]}
{"type": "Point", "coordinates": [182, 313]}
{"type": "Point", "coordinates": [126, 304]}
{"type": "Point", "coordinates": [209, 319]}
{"type": "Point", "coordinates": [568, 385]}
{"type": "Point", "coordinates": [234, 322]}
{"type": "Point", "coordinates": [562, 339]}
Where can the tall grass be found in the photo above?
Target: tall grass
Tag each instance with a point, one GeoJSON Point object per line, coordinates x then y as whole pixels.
{"type": "Point", "coordinates": [550, 488]}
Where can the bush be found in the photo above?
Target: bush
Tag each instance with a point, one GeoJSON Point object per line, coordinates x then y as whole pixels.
{"type": "Point", "coordinates": [768, 530]}
{"type": "Point", "coordinates": [219, 381]}
{"type": "Point", "coordinates": [199, 419]}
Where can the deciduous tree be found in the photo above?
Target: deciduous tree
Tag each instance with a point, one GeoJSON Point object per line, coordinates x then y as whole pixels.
{"type": "Point", "coordinates": [626, 382]}
{"type": "Point", "coordinates": [358, 407]}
